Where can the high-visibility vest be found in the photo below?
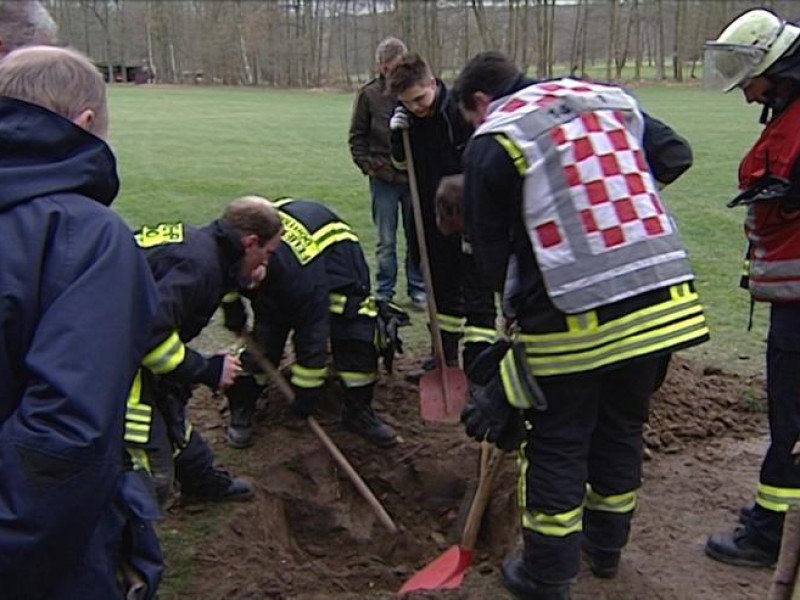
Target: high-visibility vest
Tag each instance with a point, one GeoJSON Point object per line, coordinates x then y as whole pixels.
{"type": "Point", "coordinates": [773, 232]}
{"type": "Point", "coordinates": [599, 230]}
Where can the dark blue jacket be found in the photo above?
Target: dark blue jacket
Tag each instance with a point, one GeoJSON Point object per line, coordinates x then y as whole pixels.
{"type": "Point", "coordinates": [76, 298]}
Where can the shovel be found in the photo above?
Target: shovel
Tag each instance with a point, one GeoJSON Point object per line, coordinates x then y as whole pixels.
{"type": "Point", "coordinates": [447, 571]}
{"type": "Point", "coordinates": [286, 389]}
{"type": "Point", "coordinates": [443, 390]}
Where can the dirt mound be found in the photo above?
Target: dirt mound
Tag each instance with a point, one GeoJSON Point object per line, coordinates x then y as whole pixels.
{"type": "Point", "coordinates": [308, 534]}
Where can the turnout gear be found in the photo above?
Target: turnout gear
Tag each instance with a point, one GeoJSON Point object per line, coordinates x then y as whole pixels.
{"type": "Point", "coordinates": [358, 417]}
{"type": "Point", "coordinates": [737, 548]}
{"type": "Point", "coordinates": [242, 397]}
{"type": "Point", "coordinates": [516, 578]}
{"type": "Point", "coordinates": [215, 484]}
{"type": "Point", "coordinates": [749, 46]}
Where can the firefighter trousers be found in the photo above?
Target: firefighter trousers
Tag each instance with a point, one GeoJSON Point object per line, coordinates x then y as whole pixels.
{"type": "Point", "coordinates": [581, 465]}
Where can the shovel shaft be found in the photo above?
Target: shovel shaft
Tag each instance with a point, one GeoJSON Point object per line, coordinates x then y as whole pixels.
{"type": "Point", "coordinates": [491, 459]}
{"type": "Point", "coordinates": [286, 389]}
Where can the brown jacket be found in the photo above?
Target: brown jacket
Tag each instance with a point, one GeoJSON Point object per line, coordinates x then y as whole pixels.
{"type": "Point", "coordinates": [369, 132]}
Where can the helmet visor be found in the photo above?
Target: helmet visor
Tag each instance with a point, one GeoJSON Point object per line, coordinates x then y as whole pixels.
{"type": "Point", "coordinates": [733, 64]}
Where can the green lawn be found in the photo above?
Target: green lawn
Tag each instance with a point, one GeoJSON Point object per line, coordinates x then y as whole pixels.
{"type": "Point", "coordinates": [184, 152]}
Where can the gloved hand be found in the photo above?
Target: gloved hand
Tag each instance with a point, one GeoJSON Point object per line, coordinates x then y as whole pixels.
{"type": "Point", "coordinates": [304, 403]}
{"type": "Point", "coordinates": [400, 119]}
{"type": "Point", "coordinates": [390, 318]}
{"type": "Point", "coordinates": [235, 316]}
{"type": "Point", "coordinates": [488, 416]}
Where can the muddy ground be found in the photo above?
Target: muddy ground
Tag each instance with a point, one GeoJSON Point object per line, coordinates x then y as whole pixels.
{"type": "Point", "coordinates": [309, 535]}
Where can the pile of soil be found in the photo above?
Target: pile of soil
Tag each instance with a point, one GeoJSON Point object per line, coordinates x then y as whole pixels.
{"type": "Point", "coordinates": [308, 534]}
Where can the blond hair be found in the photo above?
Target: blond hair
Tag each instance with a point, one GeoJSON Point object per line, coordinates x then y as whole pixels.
{"type": "Point", "coordinates": [60, 79]}
{"type": "Point", "coordinates": [254, 215]}
{"type": "Point", "coordinates": [23, 23]}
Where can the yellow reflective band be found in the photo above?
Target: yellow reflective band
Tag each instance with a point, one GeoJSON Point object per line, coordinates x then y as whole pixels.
{"type": "Point", "coordinates": [166, 357]}
{"type": "Point", "coordinates": [450, 323]}
{"type": "Point", "coordinates": [400, 165]}
{"type": "Point", "coordinates": [337, 303]}
{"type": "Point", "coordinates": [777, 499]}
{"type": "Point", "coordinates": [514, 151]}
{"type": "Point", "coordinates": [354, 379]}
{"type": "Point", "coordinates": [477, 335]}
{"type": "Point", "coordinates": [307, 378]}
{"type": "Point", "coordinates": [332, 233]}
{"type": "Point", "coordinates": [163, 233]}
{"type": "Point", "coordinates": [139, 459]}
{"type": "Point", "coordinates": [282, 202]}
{"type": "Point", "coordinates": [511, 382]}
{"type": "Point", "coordinates": [557, 525]}
{"type": "Point", "coordinates": [523, 464]}
{"type": "Point", "coordinates": [230, 297]}
{"type": "Point", "coordinates": [137, 415]}
{"type": "Point", "coordinates": [187, 434]}
{"type": "Point", "coordinates": [368, 308]}
{"type": "Point", "coordinates": [616, 503]}
{"type": "Point", "coordinates": [299, 239]}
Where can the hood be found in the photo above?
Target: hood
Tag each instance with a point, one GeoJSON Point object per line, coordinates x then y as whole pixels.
{"type": "Point", "coordinates": [42, 153]}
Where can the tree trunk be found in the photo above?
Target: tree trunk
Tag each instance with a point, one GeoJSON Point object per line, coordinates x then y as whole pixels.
{"type": "Point", "coordinates": [612, 38]}
{"type": "Point", "coordinates": [660, 42]}
{"type": "Point", "coordinates": [637, 66]}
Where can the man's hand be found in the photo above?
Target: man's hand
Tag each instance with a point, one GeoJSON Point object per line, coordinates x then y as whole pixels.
{"type": "Point", "coordinates": [400, 119]}
{"type": "Point", "coordinates": [231, 367]}
{"type": "Point", "coordinates": [488, 416]}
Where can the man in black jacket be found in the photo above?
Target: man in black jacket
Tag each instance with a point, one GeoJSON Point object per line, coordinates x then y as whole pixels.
{"type": "Point", "coordinates": [317, 289]}
{"type": "Point", "coordinates": [194, 268]}
{"type": "Point", "coordinates": [369, 147]}
{"type": "Point", "coordinates": [562, 208]}
{"type": "Point", "coordinates": [438, 135]}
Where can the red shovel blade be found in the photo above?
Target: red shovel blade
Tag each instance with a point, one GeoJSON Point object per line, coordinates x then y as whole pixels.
{"type": "Point", "coordinates": [443, 394]}
{"type": "Point", "coordinates": [445, 572]}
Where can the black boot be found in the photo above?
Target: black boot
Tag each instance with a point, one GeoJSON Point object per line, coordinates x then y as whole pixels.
{"type": "Point", "coordinates": [450, 346]}
{"type": "Point", "coordinates": [215, 484]}
{"type": "Point", "coordinates": [242, 397]}
{"type": "Point", "coordinates": [523, 586]}
{"type": "Point", "coordinates": [736, 548]}
{"type": "Point", "coordinates": [359, 418]}
{"type": "Point", "coordinates": [603, 562]}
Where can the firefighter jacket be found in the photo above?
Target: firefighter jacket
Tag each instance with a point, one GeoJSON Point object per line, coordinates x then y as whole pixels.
{"type": "Point", "coordinates": [773, 220]}
{"type": "Point", "coordinates": [318, 283]}
{"type": "Point", "coordinates": [75, 305]}
{"type": "Point", "coordinates": [369, 132]}
{"type": "Point", "coordinates": [193, 268]}
{"type": "Point", "coordinates": [579, 152]}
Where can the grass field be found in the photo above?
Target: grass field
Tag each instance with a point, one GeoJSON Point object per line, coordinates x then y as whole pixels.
{"type": "Point", "coordinates": [184, 152]}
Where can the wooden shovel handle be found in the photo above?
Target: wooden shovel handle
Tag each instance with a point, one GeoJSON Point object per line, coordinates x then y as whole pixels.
{"type": "Point", "coordinates": [286, 389]}
{"type": "Point", "coordinates": [491, 460]}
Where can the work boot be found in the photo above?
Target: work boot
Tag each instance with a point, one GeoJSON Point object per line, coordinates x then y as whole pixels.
{"type": "Point", "coordinates": [216, 485]}
{"type": "Point", "coordinates": [358, 417]}
{"type": "Point", "coordinates": [738, 549]}
{"type": "Point", "coordinates": [450, 346]}
{"type": "Point", "coordinates": [603, 563]}
{"type": "Point", "coordinates": [746, 513]}
{"type": "Point", "coordinates": [517, 580]}
{"type": "Point", "coordinates": [242, 397]}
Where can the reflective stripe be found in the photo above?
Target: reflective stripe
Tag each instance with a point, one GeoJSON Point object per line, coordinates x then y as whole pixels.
{"type": "Point", "coordinates": [338, 305]}
{"type": "Point", "coordinates": [587, 345]}
{"type": "Point", "coordinates": [400, 165]}
{"type": "Point", "coordinates": [523, 464]}
{"type": "Point", "coordinates": [557, 525]}
{"type": "Point", "coordinates": [450, 323]}
{"type": "Point", "coordinates": [616, 503]}
{"type": "Point", "coordinates": [511, 383]}
{"type": "Point", "coordinates": [139, 459]}
{"type": "Point", "coordinates": [338, 302]}
{"type": "Point", "coordinates": [163, 233]}
{"type": "Point", "coordinates": [329, 234]}
{"type": "Point", "coordinates": [166, 357]}
{"type": "Point", "coordinates": [477, 335]}
{"type": "Point", "coordinates": [307, 245]}
{"type": "Point", "coordinates": [368, 308]}
{"type": "Point", "coordinates": [187, 434]}
{"type": "Point", "coordinates": [777, 499]}
{"type": "Point", "coordinates": [307, 378]}
{"type": "Point", "coordinates": [138, 416]}
{"type": "Point", "coordinates": [230, 297]}
{"type": "Point", "coordinates": [354, 379]}
{"type": "Point", "coordinates": [514, 151]}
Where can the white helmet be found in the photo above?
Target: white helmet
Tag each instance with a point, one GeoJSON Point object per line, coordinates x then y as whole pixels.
{"type": "Point", "coordinates": [749, 46]}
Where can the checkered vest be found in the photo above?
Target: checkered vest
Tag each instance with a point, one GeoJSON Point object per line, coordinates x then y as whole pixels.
{"type": "Point", "coordinates": [591, 207]}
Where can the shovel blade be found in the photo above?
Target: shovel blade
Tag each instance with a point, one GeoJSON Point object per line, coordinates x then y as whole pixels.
{"type": "Point", "coordinates": [443, 394]}
{"type": "Point", "coordinates": [446, 572]}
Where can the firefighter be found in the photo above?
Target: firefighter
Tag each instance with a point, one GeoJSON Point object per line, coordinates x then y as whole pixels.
{"type": "Point", "coordinates": [193, 268]}
{"type": "Point", "coordinates": [438, 134]}
{"type": "Point", "coordinates": [562, 208]}
{"type": "Point", "coordinates": [757, 53]}
{"type": "Point", "coordinates": [318, 289]}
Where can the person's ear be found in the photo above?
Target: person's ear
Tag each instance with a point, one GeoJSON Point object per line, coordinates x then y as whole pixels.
{"type": "Point", "coordinates": [249, 241]}
{"type": "Point", "coordinates": [85, 119]}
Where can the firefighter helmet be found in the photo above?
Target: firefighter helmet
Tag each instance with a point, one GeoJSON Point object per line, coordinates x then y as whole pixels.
{"type": "Point", "coordinates": [751, 44]}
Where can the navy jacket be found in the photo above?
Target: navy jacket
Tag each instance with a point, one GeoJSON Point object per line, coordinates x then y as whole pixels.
{"type": "Point", "coordinates": [76, 298]}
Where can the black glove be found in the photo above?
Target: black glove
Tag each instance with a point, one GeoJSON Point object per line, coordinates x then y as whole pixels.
{"type": "Point", "coordinates": [305, 402]}
{"type": "Point", "coordinates": [488, 416]}
{"type": "Point", "coordinates": [390, 318]}
{"type": "Point", "coordinates": [235, 316]}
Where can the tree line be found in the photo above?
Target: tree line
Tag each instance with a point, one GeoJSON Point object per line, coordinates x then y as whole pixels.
{"type": "Point", "coordinates": [331, 43]}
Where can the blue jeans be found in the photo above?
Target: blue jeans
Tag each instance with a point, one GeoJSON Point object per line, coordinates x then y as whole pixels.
{"type": "Point", "coordinates": [387, 198]}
